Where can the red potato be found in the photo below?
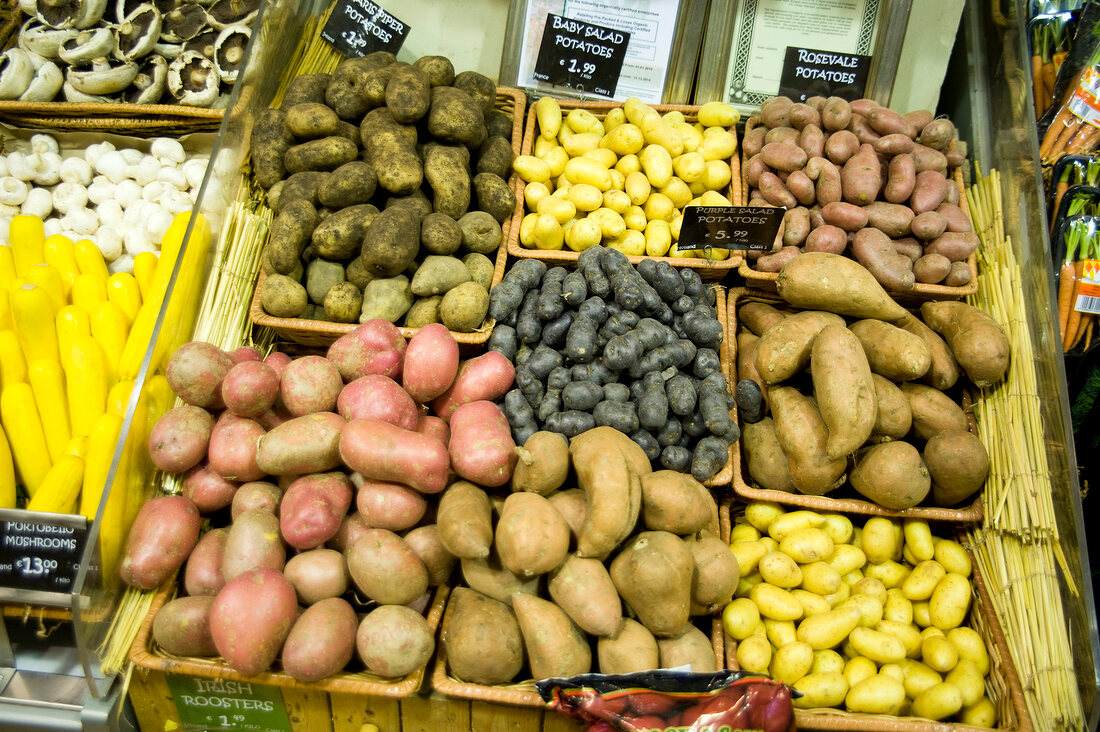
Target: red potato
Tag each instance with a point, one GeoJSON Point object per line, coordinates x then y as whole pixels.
{"type": "Point", "coordinates": [322, 640]}
{"type": "Point", "coordinates": [859, 126]}
{"type": "Point", "coordinates": [274, 417]}
{"type": "Point", "coordinates": [840, 146]}
{"type": "Point", "coordinates": [432, 426]}
{"type": "Point", "coordinates": [826, 177]}
{"type": "Point", "coordinates": [812, 141]}
{"type": "Point", "coordinates": [835, 114]}
{"type": "Point", "coordinates": [375, 347]}
{"type": "Point", "coordinates": [796, 226]}
{"type": "Point", "coordinates": [786, 135]}
{"type": "Point", "coordinates": [775, 261]}
{"type": "Point", "coordinates": [381, 451]}
{"type": "Point", "coordinates": [256, 494]}
{"type": "Point", "coordinates": [893, 219]}
{"type": "Point", "coordinates": [310, 384]}
{"type": "Point", "coordinates": [378, 397]}
{"type": "Point", "coordinates": [278, 361]}
{"type": "Point", "coordinates": [390, 506]}
{"type": "Point", "coordinates": [317, 574]}
{"type": "Point", "coordinates": [910, 247]}
{"type": "Point", "coordinates": [920, 118]}
{"type": "Point", "coordinates": [182, 626]}
{"type": "Point", "coordinates": [783, 156]}
{"type": "Point", "coordinates": [754, 168]}
{"type": "Point", "coordinates": [827, 239]}
{"type": "Point", "coordinates": [481, 447]}
{"type": "Point", "coordinates": [250, 388]}
{"type": "Point", "coordinates": [232, 449]}
{"type": "Point", "coordinates": [164, 532]}
{"type": "Point", "coordinates": [203, 573]}
{"type": "Point", "coordinates": [394, 641]}
{"type": "Point", "coordinates": [351, 528]}
{"type": "Point", "coordinates": [254, 542]}
{"type": "Point", "coordinates": [928, 159]}
{"type": "Point", "coordinates": [251, 618]}
{"type": "Point", "coordinates": [179, 439]}
{"type": "Point", "coordinates": [246, 353]}
{"type": "Point", "coordinates": [486, 377]}
{"type": "Point", "coordinates": [863, 106]}
{"type": "Point", "coordinates": [803, 115]}
{"type": "Point", "coordinates": [928, 193]}
{"type": "Point", "coordinates": [844, 215]}
{"type": "Point", "coordinates": [955, 246]}
{"type": "Point", "coordinates": [861, 176]}
{"type": "Point", "coordinates": [306, 444]}
{"type": "Point", "coordinates": [424, 541]}
{"type": "Point", "coordinates": [386, 569]}
{"type": "Point", "coordinates": [431, 363]}
{"type": "Point", "coordinates": [893, 144]}
{"type": "Point", "coordinates": [753, 141]}
{"type": "Point", "coordinates": [929, 225]}
{"type": "Point", "coordinates": [900, 179]}
{"type": "Point", "coordinates": [957, 220]}
{"type": "Point", "coordinates": [195, 372]}
{"type": "Point", "coordinates": [799, 184]}
{"type": "Point", "coordinates": [207, 489]}
{"type": "Point", "coordinates": [888, 122]}
{"type": "Point", "coordinates": [775, 191]}
{"type": "Point", "coordinates": [313, 507]}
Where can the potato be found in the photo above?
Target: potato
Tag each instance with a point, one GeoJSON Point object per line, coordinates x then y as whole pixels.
{"type": "Point", "coordinates": [481, 446]}
{"type": "Point", "coordinates": [465, 521]}
{"type": "Point", "coordinates": [676, 502]}
{"type": "Point", "coordinates": [378, 397]}
{"type": "Point", "coordinates": [250, 388]}
{"type": "Point", "coordinates": [394, 641]}
{"type": "Point", "coordinates": [481, 232]}
{"type": "Point", "coordinates": [950, 601]}
{"type": "Point", "coordinates": [653, 575]}
{"type": "Point", "coordinates": [531, 536]}
{"type": "Point", "coordinates": [385, 569]}
{"type": "Point", "coordinates": [256, 494]}
{"type": "Point", "coordinates": [381, 451]}
{"type": "Point", "coordinates": [802, 434]}
{"type": "Point", "coordinates": [487, 377]}
{"type": "Point", "coordinates": [843, 388]}
{"type": "Point", "coordinates": [933, 411]}
{"type": "Point", "coordinates": [253, 542]}
{"type": "Point", "coordinates": [440, 234]}
{"type": "Point", "coordinates": [424, 311]}
{"type": "Point", "coordinates": [203, 573]}
{"type": "Point", "coordinates": [542, 463]}
{"type": "Point", "coordinates": [270, 140]}
{"type": "Point", "coordinates": [300, 445]}
{"type": "Point", "coordinates": [828, 629]}
{"type": "Point", "coordinates": [958, 464]}
{"type": "Point", "coordinates": [764, 457]}
{"type": "Point", "coordinates": [893, 416]}
{"type": "Point", "coordinates": [464, 307]}
{"type": "Point", "coordinates": [876, 694]}
{"type": "Point", "coordinates": [716, 573]}
{"type": "Point", "coordinates": [320, 642]}
{"type": "Point", "coordinates": [327, 153]}
{"type": "Point", "coordinates": [630, 648]}
{"type": "Point", "coordinates": [251, 618]}
{"type": "Point", "coordinates": [312, 508]}
{"type": "Point", "coordinates": [977, 341]}
{"type": "Point", "coordinates": [891, 474]}
{"type": "Point", "coordinates": [407, 93]}
{"type": "Point", "coordinates": [164, 532]}
{"type": "Point", "coordinates": [446, 169]}
{"type": "Point", "coordinates": [820, 689]}
{"type": "Point", "coordinates": [892, 352]}
{"type": "Point", "coordinates": [455, 116]}
{"type": "Point", "coordinates": [938, 702]}
{"type": "Point", "coordinates": [784, 349]}
{"type": "Point", "coordinates": [555, 645]}
{"type": "Point", "coordinates": [317, 574]}
{"type": "Point", "coordinates": [179, 438]}
{"type": "Point", "coordinates": [481, 638]}
{"type": "Point", "coordinates": [874, 250]}
{"type": "Point", "coordinates": [195, 372]}
{"type": "Point", "coordinates": [391, 242]}
{"type": "Point", "coordinates": [182, 626]}
{"type": "Point", "coordinates": [691, 648]}
{"type": "Point", "coordinates": [375, 347]}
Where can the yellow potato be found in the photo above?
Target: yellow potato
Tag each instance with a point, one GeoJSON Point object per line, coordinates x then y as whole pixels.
{"type": "Point", "coordinates": [718, 114]}
{"type": "Point", "coordinates": [614, 117]}
{"type": "Point", "coordinates": [808, 545]}
{"type": "Point", "coordinates": [580, 143]}
{"type": "Point", "coordinates": [660, 133]}
{"type": "Point", "coordinates": [891, 573]}
{"type": "Point", "coordinates": [587, 170]}
{"type": "Point", "coordinates": [603, 156]}
{"type": "Point", "coordinates": [923, 580]}
{"type": "Point", "coordinates": [820, 578]}
{"type": "Point", "coordinates": [561, 209]}
{"type": "Point", "coordinates": [812, 602]}
{"type": "Point", "coordinates": [982, 714]}
{"type": "Point", "coordinates": [626, 139]}
{"type": "Point", "coordinates": [548, 115]}
{"type": "Point", "coordinates": [611, 224]}
{"type": "Point", "coordinates": [968, 679]}
{"type": "Point", "coordinates": [869, 606]}
{"type": "Point", "coordinates": [691, 136]}
{"type": "Point", "coordinates": [556, 157]}
{"type": "Point", "coordinates": [939, 654]}
{"type": "Point", "coordinates": [584, 196]}
{"type": "Point", "coordinates": [618, 180]}
{"type": "Point", "coordinates": [918, 538]}
{"type": "Point", "coordinates": [656, 163]}
{"type": "Point", "coordinates": [908, 557]}
{"type": "Point", "coordinates": [932, 632]}
{"type": "Point", "coordinates": [531, 169]}
{"type": "Point", "coordinates": [779, 632]}
{"type": "Point", "coordinates": [870, 586]}
{"type": "Point", "coordinates": [847, 558]}
{"type": "Point", "coordinates": [583, 121]}
{"type": "Point", "coordinates": [754, 654]}
{"type": "Point", "coordinates": [630, 242]}
{"type": "Point", "coordinates": [533, 193]}
{"type": "Point", "coordinates": [858, 668]}
{"type": "Point", "coordinates": [674, 117]}
{"type": "Point", "coordinates": [636, 110]}
{"type": "Point", "coordinates": [740, 618]}
{"type": "Point", "coordinates": [658, 207]}
{"type": "Point", "coordinates": [544, 144]}
{"type": "Point", "coordinates": [852, 577]}
{"type": "Point", "coordinates": [637, 186]}
{"type": "Point", "coordinates": [840, 595]}
{"type": "Point", "coordinates": [953, 557]}
{"type": "Point", "coordinates": [938, 702]}
{"type": "Point", "coordinates": [878, 694]}
{"type": "Point", "coordinates": [897, 608]}
{"type": "Point", "coordinates": [791, 662]}
{"type": "Point", "coordinates": [760, 514]}
{"type": "Point", "coordinates": [658, 238]}
{"type": "Point", "coordinates": [674, 227]}
{"type": "Point", "coordinates": [713, 198]}
{"type": "Point", "coordinates": [748, 555]}
{"type": "Point", "coordinates": [907, 633]}
{"type": "Point", "coordinates": [878, 540]}
{"type": "Point", "coordinates": [617, 201]}
{"type": "Point", "coordinates": [562, 191]}
{"type": "Point", "coordinates": [820, 690]}
{"type": "Point", "coordinates": [547, 232]}
{"type": "Point", "coordinates": [877, 646]}
{"type": "Point", "coordinates": [743, 532]}
{"type": "Point", "coordinates": [827, 661]}
{"type": "Point", "coordinates": [582, 234]}
{"type": "Point", "coordinates": [676, 191]}
{"type": "Point", "coordinates": [628, 164]}
{"type": "Point", "coordinates": [527, 230]}
{"type": "Point", "coordinates": [769, 543]}
{"type": "Point", "coordinates": [716, 176]}
{"type": "Point", "coordinates": [793, 521]}
{"type": "Point", "coordinates": [828, 629]}
{"type": "Point", "coordinates": [690, 167]}
{"type": "Point", "coordinates": [918, 677]}
{"type": "Point", "coordinates": [894, 670]}
{"type": "Point", "coordinates": [968, 642]}
{"type": "Point", "coordinates": [746, 583]}
{"type": "Point", "coordinates": [775, 602]}
{"type": "Point", "coordinates": [697, 189]}
{"type": "Point", "coordinates": [950, 601]}
{"type": "Point", "coordinates": [780, 570]}
{"type": "Point", "coordinates": [717, 144]}
{"type": "Point", "coordinates": [921, 615]}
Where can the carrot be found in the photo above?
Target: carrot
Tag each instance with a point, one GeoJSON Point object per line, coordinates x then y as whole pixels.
{"type": "Point", "coordinates": [1084, 141]}
{"type": "Point", "coordinates": [1088, 335]}
{"type": "Point", "coordinates": [1037, 83]}
{"type": "Point", "coordinates": [1074, 321]}
{"type": "Point", "coordinates": [1059, 194]}
{"type": "Point", "coordinates": [1086, 325]}
{"type": "Point", "coordinates": [1057, 127]}
{"type": "Point", "coordinates": [1049, 75]}
{"type": "Point", "coordinates": [1065, 297]}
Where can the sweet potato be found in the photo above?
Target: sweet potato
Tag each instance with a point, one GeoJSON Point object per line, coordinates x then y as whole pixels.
{"type": "Point", "coordinates": [715, 575]}
{"type": "Point", "coordinates": [425, 542]}
{"type": "Point", "coordinates": [893, 417]}
{"type": "Point", "coordinates": [385, 569]}
{"type": "Point", "coordinates": [944, 371]}
{"type": "Point", "coordinates": [958, 463]}
{"type": "Point", "coordinates": [555, 645]}
{"type": "Point", "coordinates": [542, 463]}
{"type": "Point", "coordinates": [677, 503]}
{"type": "Point", "coordinates": [485, 377]}
{"type": "Point", "coordinates": [758, 316]}
{"type": "Point", "coordinates": [306, 444]}
{"type": "Point", "coordinates": [583, 588]}
{"type": "Point", "coordinates": [843, 388]}
{"type": "Point", "coordinates": [977, 341]}
{"type": "Point", "coordinates": [823, 281]}
{"type": "Point", "coordinates": [381, 451]}
{"type": "Point", "coordinates": [691, 648]}
{"type": "Point", "coordinates": [891, 474]}
{"type": "Point", "coordinates": [251, 618]}
{"type": "Point", "coordinates": [312, 508]}
{"type": "Point", "coordinates": [784, 349]}
{"type": "Point", "coordinates": [765, 460]}
{"type": "Point", "coordinates": [465, 520]}
{"type": "Point", "coordinates": [482, 638]}
{"type": "Point", "coordinates": [891, 351]}
{"type": "Point", "coordinates": [933, 411]}
{"type": "Point", "coordinates": [321, 641]}
{"type": "Point", "coordinates": [613, 494]}
{"type": "Point", "coordinates": [376, 396]}
{"type": "Point", "coordinates": [490, 577]}
{"type": "Point", "coordinates": [531, 536]}
{"type": "Point", "coordinates": [802, 434]}
{"type": "Point", "coordinates": [481, 446]}
{"type": "Point", "coordinates": [164, 532]}
{"type": "Point", "coordinates": [653, 575]}
{"type": "Point", "coordinates": [630, 648]}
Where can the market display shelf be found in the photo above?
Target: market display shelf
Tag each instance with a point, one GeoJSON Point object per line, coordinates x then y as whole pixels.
{"type": "Point", "coordinates": [709, 269]}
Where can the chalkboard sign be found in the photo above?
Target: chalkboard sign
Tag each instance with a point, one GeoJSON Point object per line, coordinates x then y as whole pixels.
{"type": "Point", "coordinates": [581, 55]}
{"type": "Point", "coordinates": [359, 27]}
{"type": "Point", "coordinates": [729, 227]}
{"type": "Point", "coordinates": [224, 704]}
{"type": "Point", "coordinates": [808, 72]}
{"type": "Point", "coordinates": [40, 553]}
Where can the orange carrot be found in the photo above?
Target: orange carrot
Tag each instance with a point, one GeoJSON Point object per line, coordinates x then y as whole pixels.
{"type": "Point", "coordinates": [1088, 335]}
{"type": "Point", "coordinates": [1086, 324]}
{"type": "Point", "coordinates": [1037, 84]}
{"type": "Point", "coordinates": [1065, 297]}
{"type": "Point", "coordinates": [1074, 321]}
{"type": "Point", "coordinates": [1057, 127]}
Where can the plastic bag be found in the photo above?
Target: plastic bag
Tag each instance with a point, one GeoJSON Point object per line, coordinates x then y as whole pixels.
{"type": "Point", "coordinates": [672, 699]}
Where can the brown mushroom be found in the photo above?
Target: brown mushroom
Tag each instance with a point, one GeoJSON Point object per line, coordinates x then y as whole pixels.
{"type": "Point", "coordinates": [183, 23]}
{"type": "Point", "coordinates": [193, 80]}
{"type": "Point", "coordinates": [229, 51]}
{"type": "Point", "coordinates": [137, 35]}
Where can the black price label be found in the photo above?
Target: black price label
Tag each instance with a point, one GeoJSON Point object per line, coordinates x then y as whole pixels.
{"type": "Point", "coordinates": [808, 72]}
{"type": "Point", "coordinates": [581, 56]}
{"type": "Point", "coordinates": [730, 227]}
{"type": "Point", "coordinates": [359, 27]}
{"type": "Point", "coordinates": [40, 554]}
{"type": "Point", "coordinates": [208, 704]}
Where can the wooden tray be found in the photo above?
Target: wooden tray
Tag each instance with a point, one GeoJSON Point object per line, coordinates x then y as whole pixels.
{"type": "Point", "coordinates": [322, 333]}
{"type": "Point", "coordinates": [708, 269]}
{"type": "Point", "coordinates": [766, 280]}
{"type": "Point", "coordinates": [147, 654]}
{"type": "Point", "coordinates": [1003, 684]}
{"type": "Point", "coordinates": [858, 505]}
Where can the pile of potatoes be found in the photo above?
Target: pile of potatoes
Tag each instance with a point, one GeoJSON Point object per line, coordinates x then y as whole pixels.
{"type": "Point", "coordinates": [319, 476]}
{"type": "Point", "coordinates": [389, 185]}
{"type": "Point", "coordinates": [876, 407]}
{"type": "Point", "coordinates": [623, 181]}
{"type": "Point", "coordinates": [869, 618]}
{"type": "Point", "coordinates": [861, 179]}
{"type": "Point", "coordinates": [601, 572]}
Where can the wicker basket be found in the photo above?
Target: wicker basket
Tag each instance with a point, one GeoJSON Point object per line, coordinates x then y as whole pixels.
{"type": "Point", "coordinates": [147, 654]}
{"type": "Point", "coordinates": [742, 488]}
{"type": "Point", "coordinates": [766, 280]}
{"type": "Point", "coordinates": [1003, 685]}
{"type": "Point", "coordinates": [322, 333]}
{"type": "Point", "coordinates": [708, 269]}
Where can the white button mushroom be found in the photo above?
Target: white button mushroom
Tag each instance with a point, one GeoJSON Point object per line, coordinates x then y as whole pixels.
{"type": "Point", "coordinates": [152, 191]}
{"type": "Point", "coordinates": [109, 213]}
{"type": "Point", "coordinates": [174, 177]}
{"type": "Point", "coordinates": [146, 171]}
{"type": "Point", "coordinates": [109, 243]}
{"type": "Point", "coordinates": [136, 240]}
{"type": "Point", "coordinates": [127, 192]}
{"type": "Point", "coordinates": [22, 166]}
{"type": "Point", "coordinates": [113, 165]}
{"type": "Point", "coordinates": [167, 149]}
{"type": "Point", "coordinates": [131, 156]}
{"type": "Point", "coordinates": [124, 263]}
{"type": "Point", "coordinates": [51, 227]}
{"type": "Point", "coordinates": [8, 210]}
{"type": "Point", "coordinates": [39, 203]}
{"type": "Point", "coordinates": [69, 197]}
{"type": "Point", "coordinates": [157, 224]}
{"type": "Point", "coordinates": [81, 220]}
{"type": "Point", "coordinates": [12, 190]}
{"type": "Point", "coordinates": [176, 201]}
{"type": "Point", "coordinates": [94, 151]}
{"type": "Point", "coordinates": [5, 225]}
{"type": "Point", "coordinates": [194, 170]}
{"type": "Point", "coordinates": [76, 170]}
{"type": "Point", "coordinates": [101, 189]}
{"type": "Point", "coordinates": [4, 166]}
{"type": "Point", "coordinates": [44, 143]}
{"type": "Point", "coordinates": [49, 169]}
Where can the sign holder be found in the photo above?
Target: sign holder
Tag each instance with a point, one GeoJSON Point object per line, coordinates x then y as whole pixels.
{"type": "Point", "coordinates": [40, 555]}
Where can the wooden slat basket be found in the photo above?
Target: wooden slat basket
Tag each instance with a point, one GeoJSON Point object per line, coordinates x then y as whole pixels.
{"type": "Point", "coordinates": [322, 333]}
{"type": "Point", "coordinates": [765, 281]}
{"type": "Point", "coordinates": [709, 269]}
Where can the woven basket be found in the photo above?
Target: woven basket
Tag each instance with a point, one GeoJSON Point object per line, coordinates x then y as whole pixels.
{"type": "Point", "coordinates": [1003, 685]}
{"type": "Point", "coordinates": [766, 280]}
{"type": "Point", "coordinates": [147, 654]}
{"type": "Point", "coordinates": [322, 333]}
{"type": "Point", "coordinates": [126, 119]}
{"type": "Point", "coordinates": [708, 269]}
{"type": "Point", "coordinates": [742, 488]}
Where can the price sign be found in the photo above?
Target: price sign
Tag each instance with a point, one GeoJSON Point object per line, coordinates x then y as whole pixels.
{"type": "Point", "coordinates": [359, 27]}
{"type": "Point", "coordinates": [224, 704]}
{"type": "Point", "coordinates": [730, 227]}
{"type": "Point", "coordinates": [40, 553]}
{"type": "Point", "coordinates": [808, 72]}
{"type": "Point", "coordinates": [581, 55]}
